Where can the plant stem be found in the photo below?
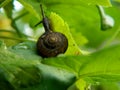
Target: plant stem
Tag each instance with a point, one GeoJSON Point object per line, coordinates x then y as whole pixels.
{"type": "Point", "coordinates": [18, 17]}
{"type": "Point", "coordinates": [101, 11]}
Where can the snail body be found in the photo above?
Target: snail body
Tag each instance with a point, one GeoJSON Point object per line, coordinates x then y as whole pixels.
{"type": "Point", "coordinates": [51, 43]}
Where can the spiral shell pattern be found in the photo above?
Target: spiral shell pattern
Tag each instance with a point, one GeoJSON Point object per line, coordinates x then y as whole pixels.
{"type": "Point", "coordinates": [50, 44]}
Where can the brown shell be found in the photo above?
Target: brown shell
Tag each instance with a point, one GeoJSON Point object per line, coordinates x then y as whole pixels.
{"type": "Point", "coordinates": [50, 44]}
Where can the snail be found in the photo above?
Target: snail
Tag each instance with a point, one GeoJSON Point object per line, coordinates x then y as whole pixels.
{"type": "Point", "coordinates": [50, 43]}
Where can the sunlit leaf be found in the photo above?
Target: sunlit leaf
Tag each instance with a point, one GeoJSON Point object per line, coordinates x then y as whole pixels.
{"type": "Point", "coordinates": [76, 2]}
{"type": "Point", "coordinates": [101, 66]}
{"type": "Point", "coordinates": [58, 24]}
{"type": "Point", "coordinates": [78, 85]}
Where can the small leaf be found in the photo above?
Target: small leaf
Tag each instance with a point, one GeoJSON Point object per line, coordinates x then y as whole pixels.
{"type": "Point", "coordinates": [59, 25]}
{"type": "Point", "coordinates": [79, 85]}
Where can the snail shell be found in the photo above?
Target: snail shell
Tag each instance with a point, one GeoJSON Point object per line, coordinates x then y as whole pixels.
{"type": "Point", "coordinates": [50, 44]}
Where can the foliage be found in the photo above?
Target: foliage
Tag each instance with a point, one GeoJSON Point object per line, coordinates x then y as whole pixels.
{"type": "Point", "coordinates": [92, 58]}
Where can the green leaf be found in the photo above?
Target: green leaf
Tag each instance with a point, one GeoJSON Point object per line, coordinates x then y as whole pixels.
{"type": "Point", "coordinates": [85, 19]}
{"type": "Point", "coordinates": [21, 71]}
{"type": "Point", "coordinates": [80, 21]}
{"type": "Point", "coordinates": [100, 66]}
{"type": "Point", "coordinates": [98, 2]}
{"type": "Point", "coordinates": [31, 6]}
{"type": "Point", "coordinates": [58, 25]}
{"type": "Point", "coordinates": [73, 2]}
{"type": "Point", "coordinates": [117, 0]}
{"type": "Point", "coordinates": [76, 2]}
{"type": "Point", "coordinates": [26, 49]}
{"type": "Point", "coordinates": [18, 71]}
{"type": "Point", "coordinates": [104, 65]}
{"type": "Point", "coordinates": [79, 85]}
{"type": "Point", "coordinates": [106, 86]}
{"type": "Point", "coordinates": [52, 78]}
{"type": "Point", "coordinates": [70, 63]}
